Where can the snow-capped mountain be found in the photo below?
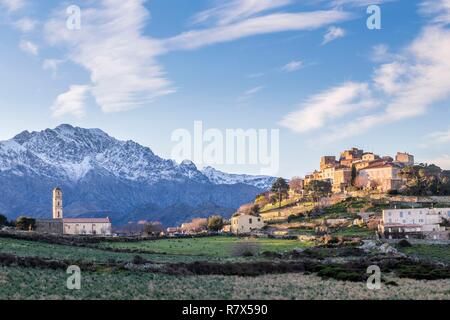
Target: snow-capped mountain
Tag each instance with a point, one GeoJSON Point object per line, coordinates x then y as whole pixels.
{"type": "Point", "coordinates": [102, 175]}
{"type": "Point", "coordinates": [219, 177]}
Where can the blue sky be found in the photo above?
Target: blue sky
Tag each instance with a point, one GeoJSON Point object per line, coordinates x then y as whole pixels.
{"type": "Point", "coordinates": [312, 69]}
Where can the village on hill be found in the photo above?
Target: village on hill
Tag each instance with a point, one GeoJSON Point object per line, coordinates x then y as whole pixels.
{"type": "Point", "coordinates": [325, 230]}
{"type": "Point", "coordinates": [359, 194]}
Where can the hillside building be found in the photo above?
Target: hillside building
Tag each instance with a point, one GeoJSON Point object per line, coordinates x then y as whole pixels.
{"type": "Point", "coordinates": [414, 223]}
{"type": "Point", "coordinates": [384, 176]}
{"type": "Point", "coordinates": [243, 224]}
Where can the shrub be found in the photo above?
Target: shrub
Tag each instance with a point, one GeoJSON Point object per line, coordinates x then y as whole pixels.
{"type": "Point", "coordinates": [245, 249]}
{"type": "Point", "coordinates": [25, 223]}
{"type": "Point", "coordinates": [215, 223]}
{"type": "Point", "coordinates": [404, 243]}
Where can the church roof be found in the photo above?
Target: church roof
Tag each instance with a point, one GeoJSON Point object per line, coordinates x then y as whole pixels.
{"type": "Point", "coordinates": [86, 220]}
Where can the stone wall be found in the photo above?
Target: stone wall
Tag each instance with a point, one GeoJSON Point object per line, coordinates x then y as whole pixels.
{"type": "Point", "coordinates": [49, 226]}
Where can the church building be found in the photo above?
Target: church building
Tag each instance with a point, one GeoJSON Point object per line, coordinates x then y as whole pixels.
{"type": "Point", "coordinates": [72, 226]}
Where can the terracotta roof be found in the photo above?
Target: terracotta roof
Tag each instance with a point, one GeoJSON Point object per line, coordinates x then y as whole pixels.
{"type": "Point", "coordinates": [86, 220]}
{"type": "Point", "coordinates": [380, 164]}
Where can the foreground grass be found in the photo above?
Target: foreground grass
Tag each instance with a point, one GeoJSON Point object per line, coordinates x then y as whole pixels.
{"type": "Point", "coordinates": [26, 248]}
{"type": "Point", "coordinates": [430, 252]}
{"type": "Point", "coordinates": [220, 246]}
{"type": "Point", "coordinates": [28, 283]}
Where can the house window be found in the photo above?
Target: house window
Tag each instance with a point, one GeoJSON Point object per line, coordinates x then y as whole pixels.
{"type": "Point", "coordinates": [250, 221]}
{"type": "Point", "coordinates": [404, 221]}
{"type": "Point", "coordinates": [401, 214]}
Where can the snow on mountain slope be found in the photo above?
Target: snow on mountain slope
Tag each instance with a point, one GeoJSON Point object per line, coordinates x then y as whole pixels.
{"type": "Point", "coordinates": [219, 177]}
{"type": "Point", "coordinates": [105, 176]}
{"type": "Point", "coordinates": [72, 152]}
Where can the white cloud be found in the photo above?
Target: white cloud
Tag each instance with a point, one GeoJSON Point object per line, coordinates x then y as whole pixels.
{"type": "Point", "coordinates": [333, 33]}
{"type": "Point", "coordinates": [25, 24]}
{"type": "Point", "coordinates": [234, 10]}
{"type": "Point", "coordinates": [439, 137]}
{"type": "Point", "coordinates": [443, 161]}
{"type": "Point", "coordinates": [71, 102]}
{"type": "Point", "coordinates": [406, 87]}
{"type": "Point", "coordinates": [380, 53]}
{"type": "Point", "coordinates": [387, 77]}
{"type": "Point", "coordinates": [292, 66]}
{"type": "Point", "coordinates": [52, 65]}
{"type": "Point", "coordinates": [271, 23]}
{"type": "Point", "coordinates": [29, 47]}
{"type": "Point", "coordinates": [12, 5]}
{"type": "Point", "coordinates": [328, 106]}
{"type": "Point", "coordinates": [357, 3]}
{"type": "Point", "coordinates": [247, 95]}
{"type": "Point", "coordinates": [439, 8]}
{"type": "Point", "coordinates": [120, 59]}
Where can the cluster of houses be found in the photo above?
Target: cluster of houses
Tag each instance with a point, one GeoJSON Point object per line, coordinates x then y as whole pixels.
{"type": "Point", "coordinates": [421, 223]}
{"type": "Point", "coordinates": [373, 171]}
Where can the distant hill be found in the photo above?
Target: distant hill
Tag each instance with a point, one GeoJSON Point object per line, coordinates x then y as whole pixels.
{"type": "Point", "coordinates": [103, 176]}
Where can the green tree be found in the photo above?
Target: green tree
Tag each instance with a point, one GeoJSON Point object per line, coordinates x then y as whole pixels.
{"type": "Point", "coordinates": [153, 228]}
{"type": "Point", "coordinates": [281, 188]}
{"type": "Point", "coordinates": [3, 220]}
{"type": "Point", "coordinates": [425, 180]}
{"type": "Point", "coordinates": [215, 223]}
{"type": "Point", "coordinates": [354, 175]}
{"type": "Point", "coordinates": [25, 223]}
{"type": "Point", "coordinates": [319, 188]}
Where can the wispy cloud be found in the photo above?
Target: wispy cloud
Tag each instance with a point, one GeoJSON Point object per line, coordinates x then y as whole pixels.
{"type": "Point", "coordinates": [12, 5]}
{"type": "Point", "coordinates": [71, 102]}
{"type": "Point", "coordinates": [292, 66]}
{"type": "Point", "coordinates": [441, 161]}
{"type": "Point", "coordinates": [25, 24]}
{"type": "Point", "coordinates": [250, 93]}
{"type": "Point", "coordinates": [333, 33]}
{"type": "Point", "coordinates": [29, 47]}
{"type": "Point", "coordinates": [271, 23]}
{"type": "Point", "coordinates": [231, 11]}
{"type": "Point", "coordinates": [111, 46]}
{"type": "Point", "coordinates": [328, 106]}
{"type": "Point", "coordinates": [439, 137]}
{"type": "Point", "coordinates": [357, 3]}
{"type": "Point", "coordinates": [52, 65]}
{"type": "Point", "coordinates": [406, 87]}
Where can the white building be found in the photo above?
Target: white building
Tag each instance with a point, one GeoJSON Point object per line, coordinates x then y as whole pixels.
{"type": "Point", "coordinates": [242, 224]}
{"type": "Point", "coordinates": [87, 226]}
{"type": "Point", "coordinates": [78, 226]}
{"type": "Point", "coordinates": [413, 222]}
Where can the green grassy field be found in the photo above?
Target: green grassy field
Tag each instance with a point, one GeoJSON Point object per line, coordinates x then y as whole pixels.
{"type": "Point", "coordinates": [437, 253]}
{"type": "Point", "coordinates": [28, 283]}
{"type": "Point", "coordinates": [62, 252]}
{"type": "Point", "coordinates": [354, 231]}
{"type": "Point", "coordinates": [220, 246]}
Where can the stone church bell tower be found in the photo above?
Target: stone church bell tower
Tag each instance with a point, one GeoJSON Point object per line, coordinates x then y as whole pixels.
{"type": "Point", "coordinates": [57, 204]}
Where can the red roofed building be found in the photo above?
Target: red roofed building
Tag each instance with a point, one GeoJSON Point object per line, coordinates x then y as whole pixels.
{"type": "Point", "coordinates": [383, 175]}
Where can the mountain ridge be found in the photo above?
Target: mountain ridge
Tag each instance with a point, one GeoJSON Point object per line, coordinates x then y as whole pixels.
{"type": "Point", "coordinates": [99, 173]}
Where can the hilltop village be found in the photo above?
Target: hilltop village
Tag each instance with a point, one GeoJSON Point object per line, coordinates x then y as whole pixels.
{"type": "Point", "coordinates": [360, 195]}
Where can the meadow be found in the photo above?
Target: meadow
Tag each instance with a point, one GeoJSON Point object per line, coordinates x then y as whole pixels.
{"type": "Point", "coordinates": [28, 283]}
{"type": "Point", "coordinates": [116, 281]}
{"type": "Point", "coordinates": [220, 246]}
